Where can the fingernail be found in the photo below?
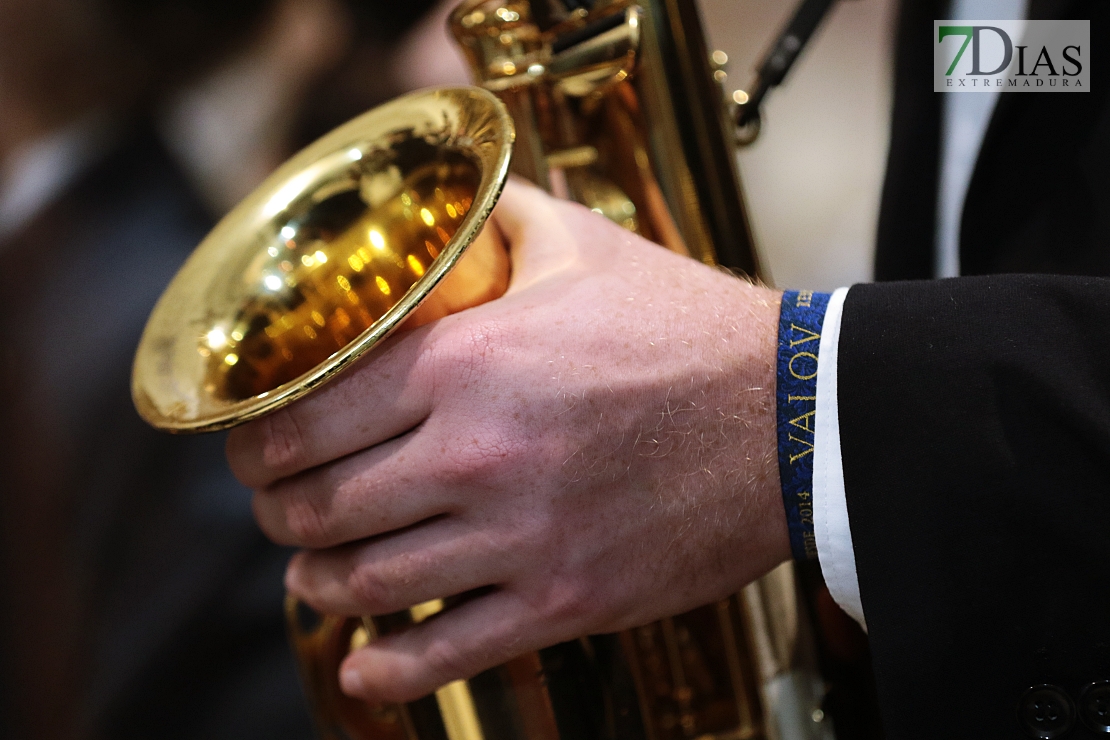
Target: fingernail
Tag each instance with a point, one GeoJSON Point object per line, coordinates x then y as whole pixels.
{"type": "Point", "coordinates": [351, 682]}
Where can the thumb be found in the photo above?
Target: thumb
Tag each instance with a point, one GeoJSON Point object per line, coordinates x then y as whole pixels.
{"type": "Point", "coordinates": [534, 228]}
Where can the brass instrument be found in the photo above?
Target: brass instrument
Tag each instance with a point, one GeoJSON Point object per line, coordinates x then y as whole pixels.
{"type": "Point", "coordinates": [374, 225]}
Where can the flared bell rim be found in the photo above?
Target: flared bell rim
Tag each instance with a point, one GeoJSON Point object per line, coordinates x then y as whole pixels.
{"type": "Point", "coordinates": [478, 125]}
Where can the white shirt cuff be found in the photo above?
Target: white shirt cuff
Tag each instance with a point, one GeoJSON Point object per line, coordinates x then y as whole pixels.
{"type": "Point", "coordinates": [830, 506]}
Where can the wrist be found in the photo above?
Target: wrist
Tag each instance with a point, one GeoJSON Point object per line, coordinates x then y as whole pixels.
{"type": "Point", "coordinates": [778, 542]}
{"type": "Point", "coordinates": [767, 541]}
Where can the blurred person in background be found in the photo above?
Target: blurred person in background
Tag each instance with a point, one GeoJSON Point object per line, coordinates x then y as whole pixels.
{"type": "Point", "coordinates": [140, 598]}
{"type": "Point", "coordinates": [314, 65]}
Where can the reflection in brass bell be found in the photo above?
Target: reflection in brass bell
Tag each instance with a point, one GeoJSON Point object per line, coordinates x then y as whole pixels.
{"type": "Point", "coordinates": [335, 250]}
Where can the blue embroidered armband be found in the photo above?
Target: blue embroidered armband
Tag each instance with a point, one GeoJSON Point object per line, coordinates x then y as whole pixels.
{"type": "Point", "coordinates": [796, 400]}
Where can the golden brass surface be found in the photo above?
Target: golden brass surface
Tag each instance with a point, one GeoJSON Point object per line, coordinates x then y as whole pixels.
{"type": "Point", "coordinates": [332, 253]}
{"type": "Point", "coordinates": [641, 92]}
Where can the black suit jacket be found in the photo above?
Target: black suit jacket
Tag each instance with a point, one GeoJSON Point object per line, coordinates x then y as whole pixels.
{"type": "Point", "coordinates": [975, 413]}
{"type": "Point", "coordinates": [141, 599]}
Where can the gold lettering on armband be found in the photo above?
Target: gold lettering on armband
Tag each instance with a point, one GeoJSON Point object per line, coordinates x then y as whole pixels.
{"type": "Point", "coordinates": [794, 372]}
{"type": "Point", "coordinates": [803, 453]}
{"type": "Point", "coordinates": [809, 336]}
{"type": "Point", "coordinates": [802, 422]}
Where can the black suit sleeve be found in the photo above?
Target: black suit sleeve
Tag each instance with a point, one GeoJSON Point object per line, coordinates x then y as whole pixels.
{"type": "Point", "coordinates": [975, 432]}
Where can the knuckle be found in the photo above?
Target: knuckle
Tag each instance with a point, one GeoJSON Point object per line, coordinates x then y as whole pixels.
{"type": "Point", "coordinates": [299, 582]}
{"type": "Point", "coordinates": [466, 353]}
{"type": "Point", "coordinates": [372, 590]}
{"type": "Point", "coordinates": [483, 456]}
{"type": "Point", "coordinates": [283, 446]}
{"type": "Point", "coordinates": [564, 601]}
{"type": "Point", "coordinates": [446, 663]}
{"type": "Point", "coordinates": [304, 519]}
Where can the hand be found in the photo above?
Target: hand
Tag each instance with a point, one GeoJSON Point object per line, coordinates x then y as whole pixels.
{"type": "Point", "coordinates": [597, 446]}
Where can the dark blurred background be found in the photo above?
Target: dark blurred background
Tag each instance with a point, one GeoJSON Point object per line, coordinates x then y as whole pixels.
{"type": "Point", "coordinates": [139, 598]}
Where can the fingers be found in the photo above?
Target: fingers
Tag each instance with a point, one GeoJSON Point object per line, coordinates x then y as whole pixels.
{"type": "Point", "coordinates": [434, 559]}
{"type": "Point", "coordinates": [388, 394]}
{"type": "Point", "coordinates": [391, 391]}
{"type": "Point", "coordinates": [459, 643]}
{"type": "Point", "coordinates": [363, 495]}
